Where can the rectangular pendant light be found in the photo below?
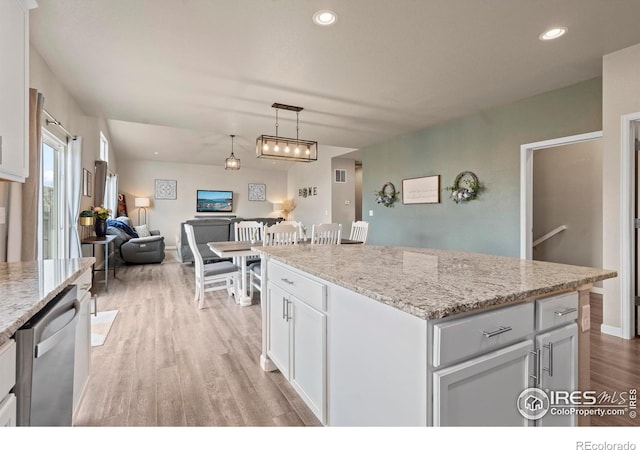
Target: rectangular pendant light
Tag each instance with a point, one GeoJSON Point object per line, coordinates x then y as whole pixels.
{"type": "Point", "coordinates": [283, 148]}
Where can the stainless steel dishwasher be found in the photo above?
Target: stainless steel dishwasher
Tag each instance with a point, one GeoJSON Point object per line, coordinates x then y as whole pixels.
{"type": "Point", "coordinates": [45, 358]}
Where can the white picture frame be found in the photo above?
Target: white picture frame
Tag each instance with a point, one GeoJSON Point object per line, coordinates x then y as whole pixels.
{"type": "Point", "coordinates": [166, 190]}
{"type": "Point", "coordinates": [257, 192]}
{"type": "Point", "coordinates": [421, 190]}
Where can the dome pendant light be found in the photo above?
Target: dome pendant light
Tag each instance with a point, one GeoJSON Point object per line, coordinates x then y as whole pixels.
{"type": "Point", "coordinates": [232, 163]}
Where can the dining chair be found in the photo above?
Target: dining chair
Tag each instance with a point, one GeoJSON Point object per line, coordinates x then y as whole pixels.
{"type": "Point", "coordinates": [210, 277]}
{"type": "Point", "coordinates": [298, 225]}
{"type": "Point", "coordinates": [359, 231]}
{"type": "Point", "coordinates": [326, 234]}
{"type": "Point", "coordinates": [276, 235]}
{"type": "Point", "coordinates": [248, 230]}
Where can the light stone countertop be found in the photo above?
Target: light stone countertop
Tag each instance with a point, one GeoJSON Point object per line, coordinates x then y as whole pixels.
{"type": "Point", "coordinates": [26, 287]}
{"type": "Point", "coordinates": [433, 284]}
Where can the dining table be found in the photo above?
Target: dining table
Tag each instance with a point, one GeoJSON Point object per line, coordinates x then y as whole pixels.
{"type": "Point", "coordinates": [241, 250]}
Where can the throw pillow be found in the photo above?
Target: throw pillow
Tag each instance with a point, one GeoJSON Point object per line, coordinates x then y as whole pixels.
{"type": "Point", "coordinates": [143, 230]}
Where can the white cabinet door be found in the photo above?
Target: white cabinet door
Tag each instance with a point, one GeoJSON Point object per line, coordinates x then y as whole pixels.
{"type": "Point", "coordinates": [278, 322]}
{"type": "Point", "coordinates": [14, 19]}
{"type": "Point", "coordinates": [308, 358]}
{"type": "Point", "coordinates": [483, 391]}
{"type": "Point", "coordinates": [8, 411]}
{"type": "Point", "coordinates": [559, 368]}
{"type": "Point", "coordinates": [83, 348]}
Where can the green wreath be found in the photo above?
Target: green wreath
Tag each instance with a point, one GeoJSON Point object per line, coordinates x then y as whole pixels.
{"type": "Point", "coordinates": [388, 195]}
{"type": "Point", "coordinates": [464, 194]}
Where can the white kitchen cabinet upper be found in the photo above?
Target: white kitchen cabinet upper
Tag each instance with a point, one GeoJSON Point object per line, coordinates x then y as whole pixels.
{"type": "Point", "coordinates": [14, 89]}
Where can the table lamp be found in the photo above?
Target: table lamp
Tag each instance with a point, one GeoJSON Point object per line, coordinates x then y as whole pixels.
{"type": "Point", "coordinates": [142, 203]}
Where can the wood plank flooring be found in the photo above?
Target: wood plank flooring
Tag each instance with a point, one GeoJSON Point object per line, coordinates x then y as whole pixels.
{"type": "Point", "coordinates": [167, 363]}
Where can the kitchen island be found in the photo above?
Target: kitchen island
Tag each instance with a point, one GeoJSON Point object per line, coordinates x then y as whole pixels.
{"type": "Point", "coordinates": [374, 335]}
{"type": "Point", "coordinates": [26, 288]}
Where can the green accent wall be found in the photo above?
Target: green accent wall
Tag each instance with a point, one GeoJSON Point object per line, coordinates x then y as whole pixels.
{"type": "Point", "coordinates": [488, 144]}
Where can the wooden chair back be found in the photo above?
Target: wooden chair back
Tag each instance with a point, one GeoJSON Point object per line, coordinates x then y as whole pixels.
{"type": "Point", "coordinates": [326, 234]}
{"type": "Point", "coordinates": [280, 234]}
{"type": "Point", "coordinates": [359, 231]}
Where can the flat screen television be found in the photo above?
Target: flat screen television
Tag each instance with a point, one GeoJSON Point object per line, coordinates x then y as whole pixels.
{"type": "Point", "coordinates": [214, 201]}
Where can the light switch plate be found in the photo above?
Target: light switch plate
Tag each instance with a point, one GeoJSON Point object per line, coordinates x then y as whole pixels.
{"type": "Point", "coordinates": [585, 322]}
{"type": "Point", "coordinates": [371, 213]}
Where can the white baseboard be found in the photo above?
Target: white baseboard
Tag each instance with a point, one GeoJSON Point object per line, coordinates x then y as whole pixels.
{"type": "Point", "coordinates": [612, 331]}
{"type": "Point", "coordinates": [597, 290]}
{"type": "Point", "coordinates": [170, 247]}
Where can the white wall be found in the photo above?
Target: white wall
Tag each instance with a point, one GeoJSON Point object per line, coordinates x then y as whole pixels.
{"type": "Point", "coordinates": [61, 104]}
{"type": "Point", "coordinates": [343, 195]}
{"type": "Point", "coordinates": [318, 208]}
{"type": "Point", "coordinates": [621, 95]}
{"type": "Point", "coordinates": [137, 179]}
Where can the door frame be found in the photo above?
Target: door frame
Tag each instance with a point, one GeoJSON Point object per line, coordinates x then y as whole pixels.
{"type": "Point", "coordinates": [526, 184]}
{"type": "Point", "coordinates": [627, 200]}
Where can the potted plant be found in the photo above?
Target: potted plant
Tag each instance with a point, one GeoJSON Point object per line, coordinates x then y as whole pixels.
{"type": "Point", "coordinates": [86, 217]}
{"type": "Point", "coordinates": [101, 214]}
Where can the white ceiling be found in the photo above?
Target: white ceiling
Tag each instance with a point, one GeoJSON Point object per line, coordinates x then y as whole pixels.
{"type": "Point", "coordinates": [178, 76]}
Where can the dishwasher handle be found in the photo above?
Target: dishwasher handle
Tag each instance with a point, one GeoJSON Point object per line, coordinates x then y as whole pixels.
{"type": "Point", "coordinates": [43, 347]}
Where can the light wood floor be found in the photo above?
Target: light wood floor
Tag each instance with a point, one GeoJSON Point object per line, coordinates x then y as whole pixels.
{"type": "Point", "coordinates": [166, 363]}
{"type": "Point", "coordinates": [615, 365]}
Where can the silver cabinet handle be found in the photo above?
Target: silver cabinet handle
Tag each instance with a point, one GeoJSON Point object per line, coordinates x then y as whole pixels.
{"type": "Point", "coordinates": [288, 315]}
{"type": "Point", "coordinates": [500, 330]}
{"type": "Point", "coordinates": [564, 312]}
{"type": "Point", "coordinates": [549, 347]}
{"type": "Point", "coordinates": [537, 362]}
{"type": "Point", "coordinates": [284, 305]}
{"type": "Point", "coordinates": [287, 281]}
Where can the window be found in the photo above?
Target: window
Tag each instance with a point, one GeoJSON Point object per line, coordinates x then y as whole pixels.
{"type": "Point", "coordinates": [53, 227]}
{"type": "Point", "coordinates": [104, 148]}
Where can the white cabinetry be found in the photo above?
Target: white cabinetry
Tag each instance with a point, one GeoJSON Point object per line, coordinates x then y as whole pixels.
{"type": "Point", "coordinates": [483, 391]}
{"type": "Point", "coordinates": [7, 381]}
{"type": "Point", "coordinates": [14, 76]}
{"type": "Point", "coordinates": [296, 337]}
{"type": "Point", "coordinates": [83, 337]}
{"type": "Point", "coordinates": [557, 344]}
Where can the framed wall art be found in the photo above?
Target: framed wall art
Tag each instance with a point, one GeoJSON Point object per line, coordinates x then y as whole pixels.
{"type": "Point", "coordinates": [166, 190]}
{"type": "Point", "coordinates": [421, 190]}
{"type": "Point", "coordinates": [257, 192]}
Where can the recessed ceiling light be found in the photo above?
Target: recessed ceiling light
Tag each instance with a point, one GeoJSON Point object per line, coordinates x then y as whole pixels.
{"type": "Point", "coordinates": [553, 33]}
{"type": "Point", "coordinates": [324, 17]}
{"type": "Point", "coordinates": [155, 153]}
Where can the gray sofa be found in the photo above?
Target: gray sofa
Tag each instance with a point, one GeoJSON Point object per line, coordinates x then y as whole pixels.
{"type": "Point", "coordinates": [142, 250]}
{"type": "Point", "coordinates": [211, 229]}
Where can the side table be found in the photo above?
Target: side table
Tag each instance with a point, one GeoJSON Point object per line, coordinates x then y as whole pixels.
{"type": "Point", "coordinates": [106, 240]}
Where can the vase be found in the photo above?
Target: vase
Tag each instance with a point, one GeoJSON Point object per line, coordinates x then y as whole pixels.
{"type": "Point", "coordinates": [101, 227]}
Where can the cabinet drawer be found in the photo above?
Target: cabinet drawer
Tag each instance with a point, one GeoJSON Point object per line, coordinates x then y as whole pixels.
{"type": "Point", "coordinates": [459, 338]}
{"type": "Point", "coordinates": [556, 310]}
{"type": "Point", "coordinates": [298, 285]}
{"type": "Point", "coordinates": [84, 283]}
{"type": "Point", "coordinates": [7, 367]}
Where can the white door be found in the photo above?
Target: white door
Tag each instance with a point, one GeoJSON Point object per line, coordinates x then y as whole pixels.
{"type": "Point", "coordinates": [278, 333]}
{"type": "Point", "coordinates": [483, 391]}
{"type": "Point", "coordinates": [559, 368]}
{"type": "Point", "coordinates": [308, 357]}
{"type": "Point", "coordinates": [8, 411]}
